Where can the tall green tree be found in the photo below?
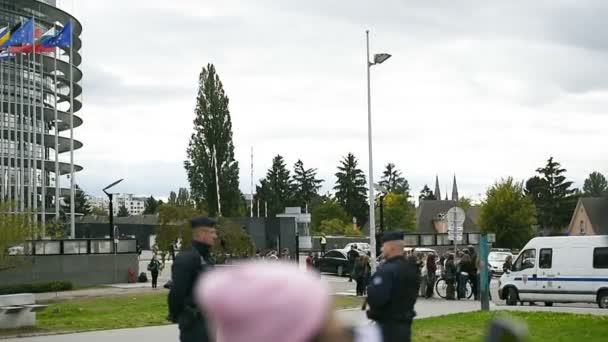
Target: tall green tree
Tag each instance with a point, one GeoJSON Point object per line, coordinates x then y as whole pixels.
{"type": "Point", "coordinates": [276, 188]}
{"type": "Point", "coordinates": [399, 212]}
{"type": "Point", "coordinates": [305, 185]}
{"type": "Point", "coordinates": [465, 203]}
{"type": "Point", "coordinates": [351, 192]}
{"type": "Point", "coordinates": [595, 185]}
{"type": "Point", "coordinates": [508, 213]}
{"type": "Point", "coordinates": [211, 149]}
{"type": "Point", "coordinates": [393, 181]}
{"type": "Point", "coordinates": [330, 209]}
{"type": "Point", "coordinates": [81, 203]}
{"type": "Point", "coordinates": [426, 194]}
{"type": "Point", "coordinates": [554, 197]}
{"type": "Point", "coordinates": [123, 211]}
{"type": "Point", "coordinates": [151, 206]}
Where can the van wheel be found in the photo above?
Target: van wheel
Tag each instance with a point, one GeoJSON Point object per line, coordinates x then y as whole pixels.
{"type": "Point", "coordinates": [602, 300]}
{"type": "Point", "coordinates": [548, 303]}
{"type": "Point", "coordinates": [511, 296]}
{"type": "Point", "coordinates": [340, 271]}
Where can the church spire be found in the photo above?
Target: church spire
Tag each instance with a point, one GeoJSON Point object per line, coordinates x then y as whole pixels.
{"type": "Point", "coordinates": [437, 191]}
{"type": "Point", "coordinates": [455, 190]}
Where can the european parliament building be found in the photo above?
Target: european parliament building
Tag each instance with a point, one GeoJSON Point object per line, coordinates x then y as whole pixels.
{"type": "Point", "coordinates": [39, 98]}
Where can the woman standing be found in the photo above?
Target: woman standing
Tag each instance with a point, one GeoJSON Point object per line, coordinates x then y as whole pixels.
{"type": "Point", "coordinates": [154, 268]}
{"type": "Point", "coordinates": [361, 274]}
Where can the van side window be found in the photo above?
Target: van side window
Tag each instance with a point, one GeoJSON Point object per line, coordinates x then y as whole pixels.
{"type": "Point", "coordinates": [600, 257]}
{"type": "Point", "coordinates": [545, 258]}
{"type": "Point", "coordinates": [527, 259]}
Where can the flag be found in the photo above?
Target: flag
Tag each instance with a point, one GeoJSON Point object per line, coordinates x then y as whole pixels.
{"type": "Point", "coordinates": [23, 35]}
{"type": "Point", "coordinates": [62, 39]}
{"type": "Point", "coordinates": [4, 55]}
{"type": "Point", "coordinates": [6, 35]}
{"type": "Point", "coordinates": [39, 39]}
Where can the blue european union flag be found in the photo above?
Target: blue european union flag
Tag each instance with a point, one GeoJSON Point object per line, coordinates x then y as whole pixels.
{"type": "Point", "coordinates": [24, 35]}
{"type": "Point", "coordinates": [62, 39]}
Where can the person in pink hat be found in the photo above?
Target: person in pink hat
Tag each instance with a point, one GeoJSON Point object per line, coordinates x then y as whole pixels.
{"type": "Point", "coordinates": [270, 302]}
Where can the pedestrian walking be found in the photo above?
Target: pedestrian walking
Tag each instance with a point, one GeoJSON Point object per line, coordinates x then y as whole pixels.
{"type": "Point", "coordinates": [392, 291]}
{"type": "Point", "coordinates": [361, 273]}
{"type": "Point", "coordinates": [299, 310]}
{"type": "Point", "coordinates": [431, 277]}
{"type": "Point", "coordinates": [154, 267]}
{"type": "Point", "coordinates": [351, 256]}
{"type": "Point", "coordinates": [187, 267]}
{"type": "Point", "coordinates": [474, 274]}
{"type": "Point", "coordinates": [450, 277]}
{"type": "Point", "coordinates": [323, 242]}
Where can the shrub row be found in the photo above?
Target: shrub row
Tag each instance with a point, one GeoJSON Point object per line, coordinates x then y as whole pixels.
{"type": "Point", "coordinates": [54, 286]}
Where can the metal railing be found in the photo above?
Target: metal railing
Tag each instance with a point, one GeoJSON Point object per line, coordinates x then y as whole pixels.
{"type": "Point", "coordinates": [77, 247]}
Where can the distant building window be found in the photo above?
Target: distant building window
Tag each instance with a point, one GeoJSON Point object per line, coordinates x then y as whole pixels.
{"type": "Point", "coordinates": [583, 227]}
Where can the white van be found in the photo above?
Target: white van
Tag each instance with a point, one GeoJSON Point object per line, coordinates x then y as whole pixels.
{"type": "Point", "coordinates": [559, 270]}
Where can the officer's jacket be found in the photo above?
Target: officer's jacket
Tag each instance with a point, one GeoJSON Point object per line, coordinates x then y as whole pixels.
{"type": "Point", "coordinates": [186, 269]}
{"type": "Point", "coordinates": [393, 290]}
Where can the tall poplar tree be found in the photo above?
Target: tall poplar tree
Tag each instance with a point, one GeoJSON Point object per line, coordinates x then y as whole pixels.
{"type": "Point", "coordinates": [211, 149]}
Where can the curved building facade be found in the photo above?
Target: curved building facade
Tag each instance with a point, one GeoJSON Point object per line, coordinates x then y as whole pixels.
{"type": "Point", "coordinates": [39, 102]}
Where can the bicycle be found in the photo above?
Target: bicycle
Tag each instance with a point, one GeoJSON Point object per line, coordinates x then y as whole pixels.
{"type": "Point", "coordinates": [441, 287]}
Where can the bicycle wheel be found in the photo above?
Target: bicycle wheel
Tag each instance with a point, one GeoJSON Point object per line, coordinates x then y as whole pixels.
{"type": "Point", "coordinates": [469, 290]}
{"type": "Point", "coordinates": [441, 287]}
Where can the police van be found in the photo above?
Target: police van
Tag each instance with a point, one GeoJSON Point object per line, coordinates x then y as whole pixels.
{"type": "Point", "coordinates": [559, 270]}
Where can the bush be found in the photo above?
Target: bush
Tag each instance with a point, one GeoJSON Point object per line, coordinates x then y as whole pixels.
{"type": "Point", "coordinates": [54, 286]}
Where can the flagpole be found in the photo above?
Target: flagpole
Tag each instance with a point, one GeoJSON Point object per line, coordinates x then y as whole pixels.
{"type": "Point", "coordinates": [35, 147]}
{"type": "Point", "coordinates": [21, 147]}
{"type": "Point", "coordinates": [11, 118]}
{"type": "Point", "coordinates": [2, 177]}
{"type": "Point", "coordinates": [42, 146]}
{"type": "Point", "coordinates": [30, 134]}
{"type": "Point", "coordinates": [57, 175]}
{"type": "Point", "coordinates": [72, 183]}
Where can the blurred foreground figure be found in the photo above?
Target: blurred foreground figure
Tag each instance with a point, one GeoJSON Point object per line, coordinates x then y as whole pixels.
{"type": "Point", "coordinates": [263, 302]}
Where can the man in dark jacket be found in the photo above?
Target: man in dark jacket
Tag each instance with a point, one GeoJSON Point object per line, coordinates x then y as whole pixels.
{"type": "Point", "coordinates": [392, 292]}
{"type": "Point", "coordinates": [186, 269]}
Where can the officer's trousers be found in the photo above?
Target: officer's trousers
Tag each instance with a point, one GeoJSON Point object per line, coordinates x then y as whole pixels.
{"type": "Point", "coordinates": [196, 332]}
{"type": "Point", "coordinates": [396, 331]}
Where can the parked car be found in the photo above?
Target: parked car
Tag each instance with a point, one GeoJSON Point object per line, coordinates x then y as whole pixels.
{"type": "Point", "coordinates": [15, 250]}
{"type": "Point", "coordinates": [336, 262]}
{"type": "Point", "coordinates": [496, 260]}
{"type": "Point", "coordinates": [559, 270]}
{"type": "Point", "coordinates": [361, 247]}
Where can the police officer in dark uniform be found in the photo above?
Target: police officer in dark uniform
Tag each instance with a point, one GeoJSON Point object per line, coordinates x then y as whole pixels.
{"type": "Point", "coordinates": [392, 291]}
{"type": "Point", "coordinates": [187, 267]}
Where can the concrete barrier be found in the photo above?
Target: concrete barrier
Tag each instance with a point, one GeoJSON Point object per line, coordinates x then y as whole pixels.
{"type": "Point", "coordinates": [18, 310]}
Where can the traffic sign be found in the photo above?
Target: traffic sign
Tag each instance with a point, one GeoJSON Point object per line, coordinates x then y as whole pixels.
{"type": "Point", "coordinates": [455, 216]}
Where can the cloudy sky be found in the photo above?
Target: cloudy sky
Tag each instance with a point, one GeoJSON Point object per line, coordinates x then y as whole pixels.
{"type": "Point", "coordinates": [480, 89]}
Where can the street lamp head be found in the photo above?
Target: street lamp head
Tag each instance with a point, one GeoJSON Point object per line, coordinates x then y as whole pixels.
{"type": "Point", "coordinates": [379, 58]}
{"type": "Point", "coordinates": [111, 185]}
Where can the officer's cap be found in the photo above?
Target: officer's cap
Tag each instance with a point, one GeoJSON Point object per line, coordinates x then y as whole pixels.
{"type": "Point", "coordinates": [202, 221]}
{"type": "Point", "coordinates": [392, 236]}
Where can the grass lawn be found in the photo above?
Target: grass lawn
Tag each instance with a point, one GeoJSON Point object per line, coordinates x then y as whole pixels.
{"type": "Point", "coordinates": [542, 326]}
{"type": "Point", "coordinates": [126, 311]}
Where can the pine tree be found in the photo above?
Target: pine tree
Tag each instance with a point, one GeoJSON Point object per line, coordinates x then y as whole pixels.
{"type": "Point", "coordinates": [151, 206]}
{"type": "Point", "coordinates": [123, 211]}
{"type": "Point", "coordinates": [276, 188]}
{"type": "Point", "coordinates": [553, 197]}
{"type": "Point", "coordinates": [81, 203]}
{"type": "Point", "coordinates": [211, 148]}
{"type": "Point", "coordinates": [393, 181]}
{"type": "Point", "coordinates": [595, 185]}
{"type": "Point", "coordinates": [351, 191]}
{"type": "Point", "coordinates": [426, 194]}
{"type": "Point", "coordinates": [305, 184]}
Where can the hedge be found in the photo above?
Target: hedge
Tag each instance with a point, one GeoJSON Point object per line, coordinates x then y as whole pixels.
{"type": "Point", "coordinates": [54, 286]}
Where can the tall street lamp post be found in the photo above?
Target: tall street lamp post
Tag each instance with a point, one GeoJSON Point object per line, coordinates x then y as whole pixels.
{"type": "Point", "coordinates": [378, 59]}
{"type": "Point", "coordinates": [110, 196]}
